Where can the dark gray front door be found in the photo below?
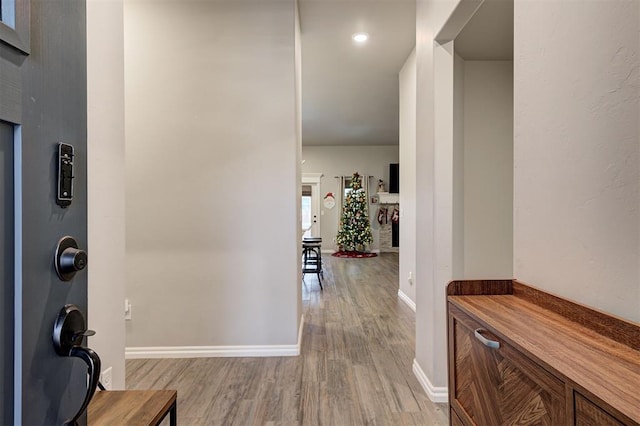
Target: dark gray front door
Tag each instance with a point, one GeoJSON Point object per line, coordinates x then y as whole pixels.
{"type": "Point", "coordinates": [42, 103]}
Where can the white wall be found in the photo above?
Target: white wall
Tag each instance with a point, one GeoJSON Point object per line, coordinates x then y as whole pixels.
{"type": "Point", "coordinates": [106, 221]}
{"type": "Point", "coordinates": [488, 169]}
{"type": "Point", "coordinates": [576, 181]}
{"type": "Point", "coordinates": [334, 161]}
{"type": "Point", "coordinates": [434, 253]}
{"type": "Point", "coordinates": [407, 261]}
{"type": "Point", "coordinates": [298, 76]}
{"type": "Point", "coordinates": [458, 167]}
{"type": "Point", "coordinates": [212, 174]}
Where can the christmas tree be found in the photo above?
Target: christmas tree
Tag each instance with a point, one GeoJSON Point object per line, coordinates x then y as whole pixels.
{"type": "Point", "coordinates": [355, 230]}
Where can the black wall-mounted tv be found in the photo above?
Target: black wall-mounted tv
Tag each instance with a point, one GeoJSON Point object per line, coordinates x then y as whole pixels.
{"type": "Point", "coordinates": [394, 178]}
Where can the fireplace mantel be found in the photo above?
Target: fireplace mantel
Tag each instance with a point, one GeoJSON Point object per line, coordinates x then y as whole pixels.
{"type": "Point", "coordinates": [388, 198]}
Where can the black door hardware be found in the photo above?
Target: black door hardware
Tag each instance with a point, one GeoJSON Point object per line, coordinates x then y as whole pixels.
{"type": "Point", "coordinates": [69, 332]}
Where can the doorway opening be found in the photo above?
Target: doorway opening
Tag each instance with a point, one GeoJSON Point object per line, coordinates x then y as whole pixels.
{"type": "Point", "coordinates": [473, 79]}
{"type": "Point", "coordinates": [310, 205]}
{"type": "Point", "coordinates": [308, 216]}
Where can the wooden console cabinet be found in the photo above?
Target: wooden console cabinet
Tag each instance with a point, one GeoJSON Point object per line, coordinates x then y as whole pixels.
{"type": "Point", "coordinates": [520, 356]}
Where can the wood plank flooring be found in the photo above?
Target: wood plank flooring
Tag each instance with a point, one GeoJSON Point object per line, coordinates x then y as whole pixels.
{"type": "Point", "coordinates": [354, 369]}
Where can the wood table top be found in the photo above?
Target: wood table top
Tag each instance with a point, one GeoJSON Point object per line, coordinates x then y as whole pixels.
{"type": "Point", "coordinates": [130, 407]}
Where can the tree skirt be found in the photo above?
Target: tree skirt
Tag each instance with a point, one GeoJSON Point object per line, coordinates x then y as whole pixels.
{"type": "Point", "coordinates": [356, 254]}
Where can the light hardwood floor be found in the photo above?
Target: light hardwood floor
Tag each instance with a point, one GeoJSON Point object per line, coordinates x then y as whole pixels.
{"type": "Point", "coordinates": [354, 369]}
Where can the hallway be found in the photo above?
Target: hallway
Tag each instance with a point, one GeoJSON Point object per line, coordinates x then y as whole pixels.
{"type": "Point", "coordinates": [354, 369]}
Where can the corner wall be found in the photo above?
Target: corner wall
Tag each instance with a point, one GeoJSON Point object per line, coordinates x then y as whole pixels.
{"type": "Point", "coordinates": [458, 167]}
{"type": "Point", "coordinates": [434, 254]}
{"type": "Point", "coordinates": [576, 154]}
{"type": "Point", "coordinates": [298, 78]}
{"type": "Point", "coordinates": [407, 261]}
{"type": "Point", "coordinates": [106, 215]}
{"type": "Point", "coordinates": [212, 178]}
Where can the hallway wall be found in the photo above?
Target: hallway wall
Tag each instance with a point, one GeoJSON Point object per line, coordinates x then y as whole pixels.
{"type": "Point", "coordinates": [482, 169]}
{"type": "Point", "coordinates": [434, 253]}
{"type": "Point", "coordinates": [212, 177]}
{"type": "Point", "coordinates": [488, 169]}
{"type": "Point", "coordinates": [407, 257]}
{"type": "Point", "coordinates": [577, 164]}
{"type": "Point", "coordinates": [106, 215]}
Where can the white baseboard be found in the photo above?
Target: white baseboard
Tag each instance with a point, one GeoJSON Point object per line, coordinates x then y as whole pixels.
{"type": "Point", "coordinates": [406, 299]}
{"type": "Point", "coordinates": [247, 351]}
{"type": "Point", "coordinates": [377, 251]}
{"type": "Point", "coordinates": [300, 328]}
{"type": "Point", "coordinates": [435, 394]}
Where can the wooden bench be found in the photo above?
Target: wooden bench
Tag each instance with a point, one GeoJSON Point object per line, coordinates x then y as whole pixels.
{"type": "Point", "coordinates": [133, 408]}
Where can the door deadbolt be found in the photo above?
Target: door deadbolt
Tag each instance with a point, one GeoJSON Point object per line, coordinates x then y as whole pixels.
{"type": "Point", "coordinates": [69, 259]}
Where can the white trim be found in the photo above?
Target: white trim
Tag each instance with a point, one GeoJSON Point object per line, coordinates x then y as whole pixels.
{"type": "Point", "coordinates": [217, 351]}
{"type": "Point", "coordinates": [387, 198]}
{"type": "Point", "coordinates": [311, 177]}
{"type": "Point", "coordinates": [300, 329]}
{"type": "Point", "coordinates": [435, 394]}
{"type": "Point", "coordinates": [376, 251]}
{"type": "Point", "coordinates": [406, 299]}
{"type": "Point", "coordinates": [328, 251]}
{"type": "Point", "coordinates": [210, 351]}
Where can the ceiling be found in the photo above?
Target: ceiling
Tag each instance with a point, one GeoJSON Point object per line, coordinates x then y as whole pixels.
{"type": "Point", "coordinates": [489, 33]}
{"type": "Point", "coordinates": [349, 91]}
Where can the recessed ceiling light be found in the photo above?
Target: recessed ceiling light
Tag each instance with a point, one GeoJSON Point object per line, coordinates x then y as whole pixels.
{"type": "Point", "coordinates": [360, 37]}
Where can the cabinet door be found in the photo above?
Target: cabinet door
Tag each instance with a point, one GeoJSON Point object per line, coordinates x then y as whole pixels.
{"type": "Point", "coordinates": [455, 420]}
{"type": "Point", "coordinates": [588, 413]}
{"type": "Point", "coordinates": [500, 386]}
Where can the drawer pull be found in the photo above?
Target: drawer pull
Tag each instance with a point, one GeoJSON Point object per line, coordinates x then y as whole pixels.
{"type": "Point", "coordinates": [488, 343]}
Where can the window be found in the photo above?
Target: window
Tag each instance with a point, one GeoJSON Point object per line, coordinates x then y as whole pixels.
{"type": "Point", "coordinates": [7, 12]}
{"type": "Point", "coordinates": [347, 187]}
{"type": "Point", "coordinates": [14, 24]}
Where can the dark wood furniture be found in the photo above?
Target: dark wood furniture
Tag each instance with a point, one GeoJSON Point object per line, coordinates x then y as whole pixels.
{"type": "Point", "coordinates": [518, 355]}
{"type": "Point", "coordinates": [133, 408]}
{"type": "Point", "coordinates": [312, 257]}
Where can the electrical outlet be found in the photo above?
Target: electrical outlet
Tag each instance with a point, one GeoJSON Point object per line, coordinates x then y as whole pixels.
{"type": "Point", "coordinates": [410, 279]}
{"type": "Point", "coordinates": [127, 310]}
{"type": "Point", "coordinates": [105, 378]}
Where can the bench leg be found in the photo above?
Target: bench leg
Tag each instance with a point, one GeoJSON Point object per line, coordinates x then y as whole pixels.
{"type": "Point", "coordinates": [173, 414]}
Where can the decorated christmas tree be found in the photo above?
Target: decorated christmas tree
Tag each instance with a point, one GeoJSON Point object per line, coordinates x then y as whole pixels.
{"type": "Point", "coordinates": [355, 229]}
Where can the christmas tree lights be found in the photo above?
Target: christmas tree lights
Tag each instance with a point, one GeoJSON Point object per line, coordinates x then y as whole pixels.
{"type": "Point", "coordinates": [355, 229]}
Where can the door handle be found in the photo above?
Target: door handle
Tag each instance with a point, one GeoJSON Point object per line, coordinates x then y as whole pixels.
{"type": "Point", "coordinates": [93, 365]}
{"type": "Point", "coordinates": [493, 344]}
{"type": "Point", "coordinates": [69, 331]}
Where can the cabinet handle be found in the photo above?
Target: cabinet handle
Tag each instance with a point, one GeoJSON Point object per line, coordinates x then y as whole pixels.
{"type": "Point", "coordinates": [488, 343]}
